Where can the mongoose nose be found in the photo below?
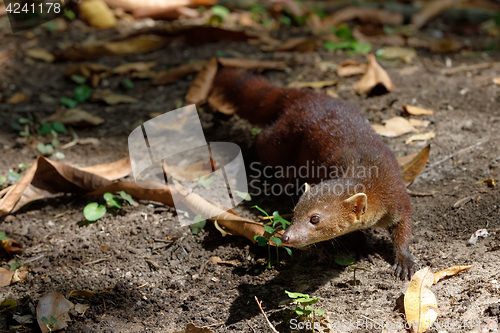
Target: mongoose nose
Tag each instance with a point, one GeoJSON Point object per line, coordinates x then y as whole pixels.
{"type": "Point", "coordinates": [285, 238]}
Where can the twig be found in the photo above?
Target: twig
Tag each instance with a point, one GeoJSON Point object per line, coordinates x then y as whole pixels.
{"type": "Point", "coordinates": [457, 153]}
{"type": "Point", "coordinates": [248, 324]}
{"type": "Point", "coordinates": [96, 261]}
{"type": "Point", "coordinates": [484, 65]}
{"type": "Point", "coordinates": [259, 303]}
{"type": "Point", "coordinates": [34, 259]}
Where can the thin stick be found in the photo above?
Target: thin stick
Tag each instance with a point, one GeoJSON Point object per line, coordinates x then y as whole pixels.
{"type": "Point", "coordinates": [457, 153]}
{"type": "Point", "coordinates": [458, 69]}
{"type": "Point", "coordinates": [259, 303]}
{"type": "Point", "coordinates": [96, 261]}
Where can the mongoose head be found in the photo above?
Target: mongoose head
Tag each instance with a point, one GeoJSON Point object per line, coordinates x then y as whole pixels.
{"type": "Point", "coordinates": [325, 211]}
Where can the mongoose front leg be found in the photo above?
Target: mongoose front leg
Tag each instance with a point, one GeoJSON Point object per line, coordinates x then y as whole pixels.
{"type": "Point", "coordinates": [401, 235]}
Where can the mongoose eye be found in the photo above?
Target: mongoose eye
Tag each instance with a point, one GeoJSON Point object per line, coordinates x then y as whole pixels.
{"type": "Point", "coordinates": [315, 219]}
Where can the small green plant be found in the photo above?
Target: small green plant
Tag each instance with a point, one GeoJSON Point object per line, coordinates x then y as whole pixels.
{"type": "Point", "coordinates": [218, 15]}
{"type": "Point", "coordinates": [205, 181]}
{"type": "Point", "coordinates": [93, 211]}
{"type": "Point", "coordinates": [347, 261]}
{"type": "Point", "coordinates": [305, 309]}
{"type": "Point", "coordinates": [276, 220]}
{"type": "Point", "coordinates": [347, 41]}
{"type": "Point", "coordinates": [80, 95]}
{"type": "Point", "coordinates": [199, 223]}
{"type": "Point", "coordinates": [50, 324]}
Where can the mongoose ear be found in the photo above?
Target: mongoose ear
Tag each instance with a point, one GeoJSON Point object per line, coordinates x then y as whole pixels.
{"type": "Point", "coordinates": [356, 204]}
{"type": "Point", "coordinates": [307, 187]}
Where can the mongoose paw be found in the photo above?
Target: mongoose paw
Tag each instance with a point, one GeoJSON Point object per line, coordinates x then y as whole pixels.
{"type": "Point", "coordinates": [404, 267]}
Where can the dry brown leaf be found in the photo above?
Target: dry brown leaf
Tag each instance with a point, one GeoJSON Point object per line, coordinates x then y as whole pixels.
{"type": "Point", "coordinates": [95, 49]}
{"type": "Point", "coordinates": [76, 118]}
{"type": "Point", "coordinates": [366, 15]}
{"type": "Point", "coordinates": [40, 54]}
{"type": "Point", "coordinates": [430, 10]}
{"type": "Point", "coordinates": [394, 127]}
{"type": "Point", "coordinates": [17, 98]}
{"type": "Point", "coordinates": [402, 160]}
{"type": "Point", "coordinates": [410, 170]}
{"type": "Point", "coordinates": [420, 303]}
{"type": "Point", "coordinates": [189, 172]}
{"type": "Point", "coordinates": [54, 305]}
{"type": "Point", "coordinates": [218, 103]}
{"type": "Point", "coordinates": [177, 73]}
{"type": "Point", "coordinates": [404, 53]}
{"type": "Point", "coordinates": [350, 67]}
{"type": "Point", "coordinates": [490, 182]}
{"type": "Point", "coordinates": [5, 277]}
{"type": "Point", "coordinates": [94, 72]}
{"type": "Point", "coordinates": [11, 246]}
{"type": "Point", "coordinates": [420, 137]}
{"type": "Point", "coordinates": [97, 14]}
{"type": "Point", "coordinates": [417, 111]}
{"type": "Point", "coordinates": [419, 122]}
{"type": "Point", "coordinates": [20, 274]}
{"type": "Point", "coordinates": [380, 39]}
{"type": "Point", "coordinates": [450, 271]}
{"type": "Point", "coordinates": [314, 85]}
{"type": "Point", "coordinates": [155, 6]}
{"type": "Point", "coordinates": [332, 93]}
{"type": "Point", "coordinates": [251, 64]}
{"type": "Point", "coordinates": [134, 67]}
{"type": "Point", "coordinates": [81, 308]}
{"type": "Point", "coordinates": [111, 98]}
{"type": "Point", "coordinates": [202, 83]}
{"type": "Point", "coordinates": [445, 46]}
{"type": "Point", "coordinates": [299, 44]}
{"type": "Point", "coordinates": [374, 76]}
{"type": "Point", "coordinates": [82, 293]}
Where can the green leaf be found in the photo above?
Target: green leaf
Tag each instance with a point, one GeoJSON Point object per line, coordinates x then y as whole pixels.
{"type": "Point", "coordinates": [199, 223]}
{"type": "Point", "coordinates": [127, 197]}
{"type": "Point", "coordinates": [14, 264]}
{"type": "Point", "coordinates": [128, 84]}
{"type": "Point", "coordinates": [329, 45]}
{"type": "Point", "coordinates": [220, 54]}
{"type": "Point", "coordinates": [244, 195]}
{"type": "Point", "coordinates": [255, 131]}
{"type": "Point", "coordinates": [82, 93]}
{"type": "Point", "coordinates": [320, 312]}
{"type": "Point", "coordinates": [296, 295]}
{"type": "Point", "coordinates": [261, 210]}
{"type": "Point", "coordinates": [3, 237]}
{"type": "Point", "coordinates": [343, 32]}
{"type": "Point", "coordinates": [269, 229]}
{"type": "Point", "coordinates": [276, 240]}
{"type": "Point", "coordinates": [93, 211]}
{"type": "Point", "coordinates": [54, 320]}
{"type": "Point", "coordinates": [59, 127]}
{"type": "Point", "coordinates": [205, 181]}
{"type": "Point", "coordinates": [363, 48]}
{"type": "Point", "coordinates": [307, 301]}
{"type": "Point", "coordinates": [288, 250]}
{"type": "Point", "coordinates": [344, 260]}
{"type": "Point", "coordinates": [60, 155]}
{"type": "Point", "coordinates": [45, 149]}
{"type": "Point", "coordinates": [23, 166]}
{"type": "Point", "coordinates": [78, 79]}
{"type": "Point", "coordinates": [3, 179]}
{"type": "Point", "coordinates": [279, 219]}
{"type": "Point", "coordinates": [70, 14]}
{"type": "Point", "coordinates": [257, 9]}
{"type": "Point", "coordinates": [45, 128]}
{"type": "Point", "coordinates": [7, 304]}
{"type": "Point", "coordinates": [220, 11]}
{"type": "Point", "coordinates": [285, 20]}
{"type": "Point", "coordinates": [13, 176]}
{"type": "Point", "coordinates": [51, 26]}
{"type": "Point", "coordinates": [111, 200]}
{"type": "Point", "coordinates": [70, 103]}
{"type": "Point", "coordinates": [262, 241]}
{"type": "Point", "coordinates": [45, 320]}
{"type": "Point", "coordinates": [25, 121]}
{"type": "Point", "coordinates": [301, 311]}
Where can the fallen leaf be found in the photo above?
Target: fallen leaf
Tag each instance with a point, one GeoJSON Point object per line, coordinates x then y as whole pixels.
{"type": "Point", "coordinates": [430, 10]}
{"type": "Point", "coordinates": [445, 46]}
{"type": "Point", "coordinates": [374, 76]}
{"type": "Point", "coordinates": [217, 102]}
{"type": "Point", "coordinates": [378, 39]}
{"type": "Point", "coordinates": [97, 14]}
{"type": "Point", "coordinates": [394, 127]}
{"type": "Point", "coordinates": [76, 118]}
{"type": "Point", "coordinates": [419, 122]}
{"type": "Point", "coordinates": [177, 73]}
{"type": "Point", "coordinates": [81, 308]}
{"type": "Point", "coordinates": [20, 274]}
{"type": "Point", "coordinates": [111, 98]}
{"type": "Point", "coordinates": [410, 170]}
{"type": "Point", "coordinates": [366, 15]}
{"type": "Point", "coordinates": [202, 83]}
{"type": "Point", "coordinates": [82, 141]}
{"type": "Point", "coordinates": [251, 64]}
{"type": "Point", "coordinates": [11, 246]}
{"type": "Point", "coordinates": [41, 54]}
{"type": "Point", "coordinates": [95, 49]}
{"type": "Point", "coordinates": [450, 271]}
{"type": "Point", "coordinates": [496, 81]}
{"type": "Point", "coordinates": [134, 67]}
{"type": "Point", "coordinates": [483, 233]}
{"type": "Point", "coordinates": [81, 293]}
{"type": "Point", "coordinates": [314, 85]}
{"type": "Point", "coordinates": [332, 93]}
{"type": "Point", "coordinates": [299, 44]}
{"type": "Point", "coordinates": [417, 111]}
{"type": "Point", "coordinates": [26, 319]}
{"type": "Point", "coordinates": [7, 304]}
{"type": "Point", "coordinates": [154, 6]}
{"type": "Point", "coordinates": [54, 305]}
{"type": "Point", "coordinates": [104, 248]}
{"type": "Point", "coordinates": [420, 303]}
{"type": "Point", "coordinates": [404, 53]}
{"type": "Point", "coordinates": [350, 67]}
{"type": "Point", "coordinates": [5, 277]}
{"type": "Point", "coordinates": [490, 182]}
{"type": "Point", "coordinates": [94, 72]}
{"type": "Point", "coordinates": [402, 160]}
{"type": "Point", "coordinates": [189, 172]}
{"type": "Point", "coordinates": [17, 98]}
{"type": "Point", "coordinates": [420, 137]}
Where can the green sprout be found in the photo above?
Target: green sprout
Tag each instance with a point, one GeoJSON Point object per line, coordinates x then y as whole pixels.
{"type": "Point", "coordinates": [218, 15]}
{"type": "Point", "coordinates": [347, 261]}
{"type": "Point", "coordinates": [305, 301]}
{"type": "Point", "coordinates": [50, 324]}
{"type": "Point", "coordinates": [93, 211]}
{"type": "Point", "coordinates": [347, 41]}
{"type": "Point", "coordinates": [276, 220]}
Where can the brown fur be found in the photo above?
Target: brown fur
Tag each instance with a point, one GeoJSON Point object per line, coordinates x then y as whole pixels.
{"type": "Point", "coordinates": [303, 126]}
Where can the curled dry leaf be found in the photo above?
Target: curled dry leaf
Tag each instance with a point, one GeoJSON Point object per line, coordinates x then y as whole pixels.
{"type": "Point", "coordinates": [218, 102]}
{"type": "Point", "coordinates": [202, 83]}
{"type": "Point", "coordinates": [421, 307]}
{"type": "Point", "coordinates": [419, 123]}
{"type": "Point", "coordinates": [134, 67]}
{"type": "Point", "coordinates": [490, 182]}
{"type": "Point", "coordinates": [111, 98]}
{"type": "Point", "coordinates": [314, 85]}
{"type": "Point", "coordinates": [450, 271]}
{"type": "Point", "coordinates": [81, 293]}
{"type": "Point", "coordinates": [402, 160]}
{"type": "Point", "coordinates": [93, 72]}
{"type": "Point", "coordinates": [420, 137]}
{"type": "Point", "coordinates": [17, 98]}
{"type": "Point", "coordinates": [350, 67]}
{"type": "Point", "coordinates": [430, 10]}
{"type": "Point", "coordinates": [95, 49]}
{"type": "Point", "coordinates": [417, 111]}
{"type": "Point", "coordinates": [81, 308]}
{"type": "Point", "coordinates": [97, 14]}
{"type": "Point", "coordinates": [394, 127]}
{"type": "Point", "coordinates": [374, 76]}
{"type": "Point", "coordinates": [189, 172]}
{"type": "Point", "coordinates": [5, 277]}
{"type": "Point", "coordinates": [177, 73]}
{"type": "Point", "coordinates": [54, 305]}
{"type": "Point", "coordinates": [252, 64]}
{"type": "Point", "coordinates": [366, 15]}
{"type": "Point", "coordinates": [411, 169]}
{"type": "Point", "coordinates": [41, 54]}
{"type": "Point", "coordinates": [299, 44]}
{"type": "Point", "coordinates": [76, 118]}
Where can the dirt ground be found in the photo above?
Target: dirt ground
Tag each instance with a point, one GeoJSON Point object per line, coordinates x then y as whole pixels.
{"type": "Point", "coordinates": [186, 287]}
